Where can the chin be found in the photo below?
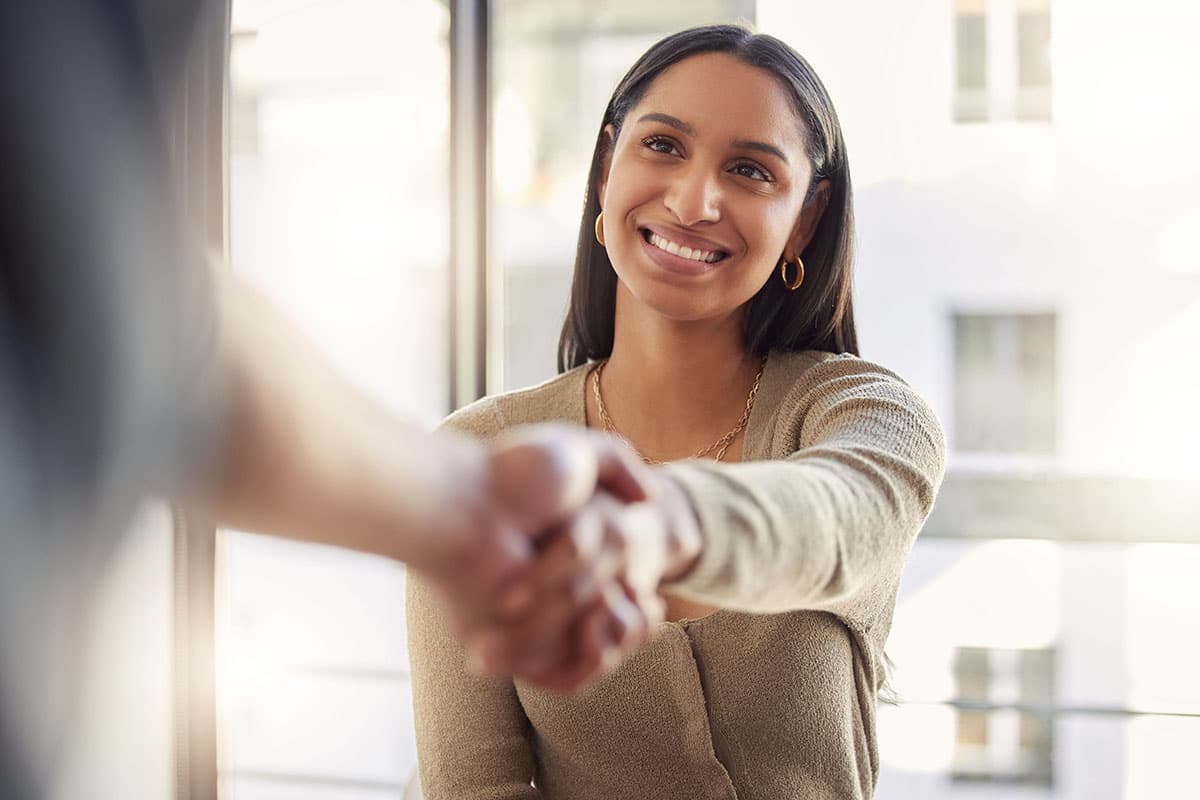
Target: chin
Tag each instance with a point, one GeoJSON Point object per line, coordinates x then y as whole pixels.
{"type": "Point", "coordinates": [681, 303]}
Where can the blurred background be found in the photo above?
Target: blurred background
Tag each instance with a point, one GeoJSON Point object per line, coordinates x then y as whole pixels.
{"type": "Point", "coordinates": [405, 177]}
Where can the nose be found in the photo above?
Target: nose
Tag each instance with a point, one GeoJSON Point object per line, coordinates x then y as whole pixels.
{"type": "Point", "coordinates": [694, 196]}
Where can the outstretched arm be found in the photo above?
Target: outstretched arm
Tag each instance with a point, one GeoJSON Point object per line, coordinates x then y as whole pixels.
{"type": "Point", "coordinates": [304, 455]}
{"type": "Point", "coordinates": [831, 522]}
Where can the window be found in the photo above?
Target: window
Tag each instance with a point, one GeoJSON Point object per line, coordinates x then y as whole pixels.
{"type": "Point", "coordinates": [1033, 60]}
{"type": "Point", "coordinates": [970, 29]}
{"type": "Point", "coordinates": [339, 212]}
{"type": "Point", "coordinates": [1003, 65]}
{"type": "Point", "coordinates": [1008, 745]}
{"type": "Point", "coordinates": [1004, 383]}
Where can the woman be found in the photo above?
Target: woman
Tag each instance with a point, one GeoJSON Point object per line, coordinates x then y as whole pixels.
{"type": "Point", "coordinates": [710, 320]}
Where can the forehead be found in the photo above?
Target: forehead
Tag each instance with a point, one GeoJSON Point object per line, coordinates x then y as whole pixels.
{"type": "Point", "coordinates": [724, 97]}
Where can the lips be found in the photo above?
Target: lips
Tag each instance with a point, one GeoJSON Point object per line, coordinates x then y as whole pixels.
{"type": "Point", "coordinates": [684, 246]}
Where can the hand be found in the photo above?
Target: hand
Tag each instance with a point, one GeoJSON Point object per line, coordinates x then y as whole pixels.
{"type": "Point", "coordinates": [508, 502]}
{"type": "Point", "coordinates": [598, 577]}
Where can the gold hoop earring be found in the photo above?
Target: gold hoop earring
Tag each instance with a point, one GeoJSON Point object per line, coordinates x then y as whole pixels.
{"type": "Point", "coordinates": [600, 228]}
{"type": "Point", "coordinates": [794, 284]}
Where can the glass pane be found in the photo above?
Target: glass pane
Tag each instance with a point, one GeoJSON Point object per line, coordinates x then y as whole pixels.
{"type": "Point", "coordinates": [339, 213]}
{"type": "Point", "coordinates": [556, 63]}
{"type": "Point", "coordinates": [971, 50]}
{"type": "Point", "coordinates": [1075, 648]}
{"type": "Point", "coordinates": [1031, 623]}
{"type": "Point", "coordinates": [1097, 757]}
{"type": "Point", "coordinates": [1033, 50]}
{"type": "Point", "coordinates": [1005, 383]}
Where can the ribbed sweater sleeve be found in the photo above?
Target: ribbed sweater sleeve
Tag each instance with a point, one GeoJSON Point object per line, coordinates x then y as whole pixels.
{"type": "Point", "coordinates": [829, 525]}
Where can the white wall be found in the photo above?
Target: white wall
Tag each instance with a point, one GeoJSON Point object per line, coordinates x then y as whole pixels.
{"type": "Point", "coordinates": [1095, 215]}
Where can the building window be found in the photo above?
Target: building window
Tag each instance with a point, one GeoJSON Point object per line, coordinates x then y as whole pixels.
{"type": "Point", "coordinates": [970, 28]}
{"type": "Point", "coordinates": [1013, 744]}
{"type": "Point", "coordinates": [1002, 60]}
{"type": "Point", "coordinates": [339, 213]}
{"type": "Point", "coordinates": [1033, 60]}
{"type": "Point", "coordinates": [1005, 387]}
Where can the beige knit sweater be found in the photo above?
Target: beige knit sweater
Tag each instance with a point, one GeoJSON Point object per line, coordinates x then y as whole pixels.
{"type": "Point", "coordinates": [773, 696]}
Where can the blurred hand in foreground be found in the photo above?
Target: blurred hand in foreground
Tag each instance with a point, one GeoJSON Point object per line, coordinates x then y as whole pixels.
{"type": "Point", "coordinates": [555, 577]}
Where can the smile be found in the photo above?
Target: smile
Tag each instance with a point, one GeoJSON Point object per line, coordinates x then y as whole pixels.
{"type": "Point", "coordinates": [682, 251]}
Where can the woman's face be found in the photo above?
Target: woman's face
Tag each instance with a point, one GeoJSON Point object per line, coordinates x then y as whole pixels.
{"type": "Point", "coordinates": [704, 189]}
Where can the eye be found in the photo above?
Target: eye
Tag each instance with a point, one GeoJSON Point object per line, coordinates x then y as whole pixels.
{"type": "Point", "coordinates": [748, 169]}
{"type": "Point", "coordinates": [661, 144]}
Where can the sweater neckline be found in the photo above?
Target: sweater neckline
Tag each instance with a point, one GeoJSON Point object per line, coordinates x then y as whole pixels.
{"type": "Point", "coordinates": [754, 442]}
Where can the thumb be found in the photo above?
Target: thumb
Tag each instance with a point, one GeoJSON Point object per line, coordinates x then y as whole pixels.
{"type": "Point", "coordinates": [619, 470]}
{"type": "Point", "coordinates": [542, 474]}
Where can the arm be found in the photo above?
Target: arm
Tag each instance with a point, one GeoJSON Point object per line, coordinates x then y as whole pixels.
{"type": "Point", "coordinates": [304, 455]}
{"type": "Point", "coordinates": [307, 456]}
{"type": "Point", "coordinates": [831, 524]}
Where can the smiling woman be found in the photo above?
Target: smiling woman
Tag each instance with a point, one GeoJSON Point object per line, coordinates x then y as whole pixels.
{"type": "Point", "coordinates": [710, 323]}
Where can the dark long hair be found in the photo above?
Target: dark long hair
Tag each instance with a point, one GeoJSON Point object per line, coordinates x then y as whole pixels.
{"type": "Point", "coordinates": [819, 315]}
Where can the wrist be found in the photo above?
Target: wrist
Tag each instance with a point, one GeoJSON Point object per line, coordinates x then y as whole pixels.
{"type": "Point", "coordinates": [685, 540]}
{"type": "Point", "coordinates": [454, 506]}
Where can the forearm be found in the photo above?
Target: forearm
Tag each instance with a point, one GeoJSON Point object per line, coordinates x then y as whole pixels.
{"type": "Point", "coordinates": [826, 527]}
{"type": "Point", "coordinates": [305, 455]}
{"type": "Point", "coordinates": [780, 536]}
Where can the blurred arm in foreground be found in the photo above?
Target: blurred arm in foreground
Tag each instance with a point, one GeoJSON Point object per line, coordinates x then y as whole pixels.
{"type": "Point", "coordinates": [128, 370]}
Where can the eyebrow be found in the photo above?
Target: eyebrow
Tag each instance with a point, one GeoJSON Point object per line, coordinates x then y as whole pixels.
{"type": "Point", "coordinates": [762, 147]}
{"type": "Point", "coordinates": [683, 127]}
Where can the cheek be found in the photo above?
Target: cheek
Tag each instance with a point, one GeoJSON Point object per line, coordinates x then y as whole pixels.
{"type": "Point", "coordinates": [776, 227]}
{"type": "Point", "coordinates": [765, 230]}
{"type": "Point", "coordinates": [625, 191]}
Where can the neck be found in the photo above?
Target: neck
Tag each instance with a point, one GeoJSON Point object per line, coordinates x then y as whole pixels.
{"type": "Point", "coordinates": [674, 387]}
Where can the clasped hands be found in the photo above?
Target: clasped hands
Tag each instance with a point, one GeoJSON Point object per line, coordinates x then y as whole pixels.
{"type": "Point", "coordinates": [552, 572]}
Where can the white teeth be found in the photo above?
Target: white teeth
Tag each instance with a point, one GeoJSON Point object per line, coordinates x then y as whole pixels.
{"type": "Point", "coordinates": [683, 252]}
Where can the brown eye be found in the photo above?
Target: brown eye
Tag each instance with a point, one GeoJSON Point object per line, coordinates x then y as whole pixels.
{"type": "Point", "coordinates": [747, 169]}
{"type": "Point", "coordinates": [661, 145]}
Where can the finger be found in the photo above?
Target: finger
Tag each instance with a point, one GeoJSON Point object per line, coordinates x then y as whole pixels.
{"type": "Point", "coordinates": [636, 532]}
{"type": "Point", "coordinates": [568, 558]}
{"type": "Point", "coordinates": [605, 568]}
{"type": "Point", "coordinates": [613, 621]}
{"type": "Point", "coordinates": [491, 578]}
{"type": "Point", "coordinates": [628, 625]}
{"type": "Point", "coordinates": [613, 630]}
{"type": "Point", "coordinates": [619, 469]}
{"type": "Point", "coordinates": [569, 554]}
{"type": "Point", "coordinates": [544, 472]}
{"type": "Point", "coordinates": [589, 553]}
{"type": "Point", "coordinates": [592, 655]}
{"type": "Point", "coordinates": [538, 642]}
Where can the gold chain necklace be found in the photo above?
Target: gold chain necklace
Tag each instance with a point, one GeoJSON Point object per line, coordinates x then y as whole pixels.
{"type": "Point", "coordinates": [720, 445]}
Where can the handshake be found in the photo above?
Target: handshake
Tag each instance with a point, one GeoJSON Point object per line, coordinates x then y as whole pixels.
{"type": "Point", "coordinates": [550, 560]}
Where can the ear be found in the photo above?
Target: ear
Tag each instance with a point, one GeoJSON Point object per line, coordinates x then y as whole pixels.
{"type": "Point", "coordinates": [608, 142]}
{"type": "Point", "coordinates": [806, 225]}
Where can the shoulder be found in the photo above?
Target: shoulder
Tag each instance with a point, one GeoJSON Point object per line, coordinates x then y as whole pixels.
{"type": "Point", "coordinates": [814, 367]}
{"type": "Point", "coordinates": [559, 399]}
{"type": "Point", "coordinates": [814, 377]}
{"type": "Point", "coordinates": [813, 386]}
